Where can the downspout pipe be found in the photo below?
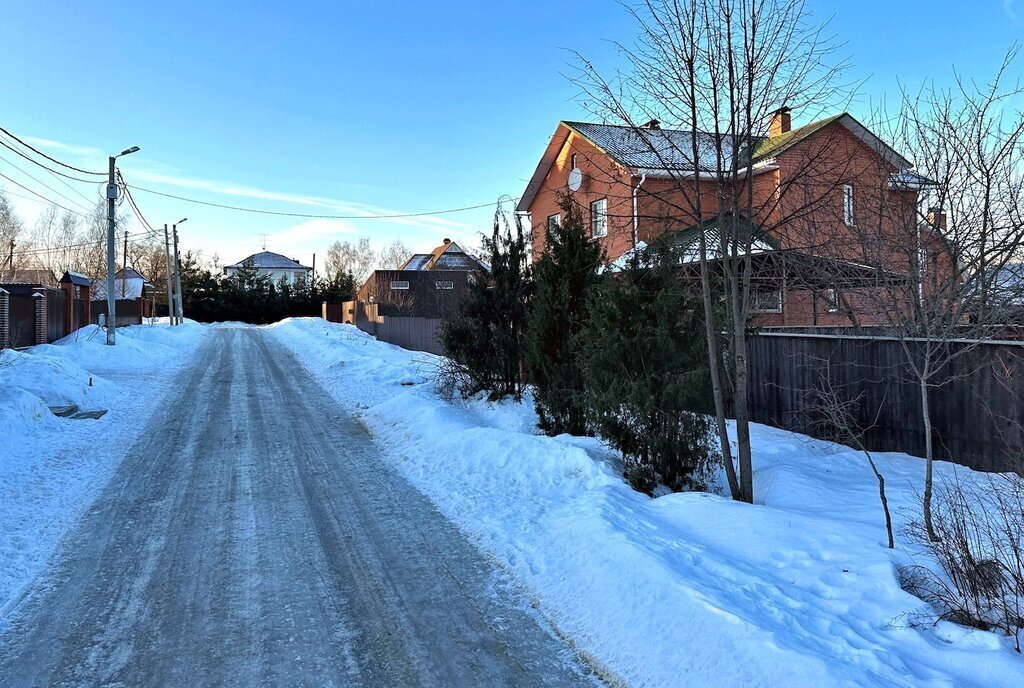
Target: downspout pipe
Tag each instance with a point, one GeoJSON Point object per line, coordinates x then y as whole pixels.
{"type": "Point", "coordinates": [636, 213]}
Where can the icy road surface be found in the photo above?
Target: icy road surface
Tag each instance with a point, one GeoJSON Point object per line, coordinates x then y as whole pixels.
{"type": "Point", "coordinates": [253, 538]}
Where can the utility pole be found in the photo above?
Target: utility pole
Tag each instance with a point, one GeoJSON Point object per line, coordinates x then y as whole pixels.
{"type": "Point", "coordinates": [314, 268]}
{"type": "Point", "coordinates": [111, 307]}
{"type": "Point", "coordinates": [177, 277]}
{"type": "Point", "coordinates": [170, 291]}
{"type": "Point", "coordinates": [111, 198]}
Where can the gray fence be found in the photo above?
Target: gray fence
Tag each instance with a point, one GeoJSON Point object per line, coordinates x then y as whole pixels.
{"type": "Point", "coordinates": [415, 334]}
{"type": "Point", "coordinates": [976, 405]}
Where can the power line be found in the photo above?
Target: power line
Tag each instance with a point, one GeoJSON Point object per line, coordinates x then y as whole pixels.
{"type": "Point", "coordinates": [311, 215]}
{"type": "Point", "coordinates": [48, 169]}
{"type": "Point", "coordinates": [44, 198]}
{"type": "Point", "coordinates": [50, 158]}
{"type": "Point", "coordinates": [38, 181]}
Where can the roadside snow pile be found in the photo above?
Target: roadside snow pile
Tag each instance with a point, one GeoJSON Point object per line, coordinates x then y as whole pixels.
{"type": "Point", "coordinates": [52, 468]}
{"type": "Point", "coordinates": [685, 589]}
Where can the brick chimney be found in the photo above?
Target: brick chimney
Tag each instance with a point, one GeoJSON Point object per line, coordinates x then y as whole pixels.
{"type": "Point", "coordinates": [447, 241]}
{"type": "Point", "coordinates": [780, 122]}
{"type": "Point", "coordinates": [653, 124]}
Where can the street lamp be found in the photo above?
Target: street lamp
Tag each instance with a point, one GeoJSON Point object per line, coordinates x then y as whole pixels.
{"type": "Point", "coordinates": [111, 197]}
{"type": "Point", "coordinates": [180, 309]}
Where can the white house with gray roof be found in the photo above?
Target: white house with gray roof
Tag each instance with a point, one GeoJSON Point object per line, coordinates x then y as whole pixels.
{"type": "Point", "coordinates": [274, 266]}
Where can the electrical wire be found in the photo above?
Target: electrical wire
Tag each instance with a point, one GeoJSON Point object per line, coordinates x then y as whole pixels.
{"type": "Point", "coordinates": [48, 169]}
{"type": "Point", "coordinates": [311, 215]}
{"type": "Point", "coordinates": [44, 198]}
{"type": "Point", "coordinates": [42, 183]}
{"type": "Point", "coordinates": [50, 158]}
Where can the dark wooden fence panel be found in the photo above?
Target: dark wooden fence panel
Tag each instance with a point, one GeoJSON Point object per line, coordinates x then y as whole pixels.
{"type": "Point", "coordinates": [23, 321]}
{"type": "Point", "coordinates": [127, 311]}
{"type": "Point", "coordinates": [976, 407]}
{"type": "Point", "coordinates": [56, 314]}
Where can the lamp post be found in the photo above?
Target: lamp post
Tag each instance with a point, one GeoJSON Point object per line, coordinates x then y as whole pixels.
{"type": "Point", "coordinates": [111, 260]}
{"type": "Point", "coordinates": [177, 273]}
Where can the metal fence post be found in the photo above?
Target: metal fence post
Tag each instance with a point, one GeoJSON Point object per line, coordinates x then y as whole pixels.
{"type": "Point", "coordinates": [5, 318]}
{"type": "Point", "coordinates": [40, 317]}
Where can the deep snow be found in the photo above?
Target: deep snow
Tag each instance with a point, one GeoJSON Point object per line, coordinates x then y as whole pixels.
{"type": "Point", "coordinates": [52, 468]}
{"type": "Point", "coordinates": [685, 589]}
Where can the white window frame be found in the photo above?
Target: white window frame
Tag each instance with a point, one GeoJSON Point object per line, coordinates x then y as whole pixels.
{"type": "Point", "coordinates": [444, 284]}
{"type": "Point", "coordinates": [399, 284]}
{"type": "Point", "coordinates": [831, 296]}
{"type": "Point", "coordinates": [572, 161]}
{"type": "Point", "coordinates": [777, 308]}
{"type": "Point", "coordinates": [599, 218]}
{"type": "Point", "coordinates": [848, 205]}
{"type": "Point", "coordinates": [554, 220]}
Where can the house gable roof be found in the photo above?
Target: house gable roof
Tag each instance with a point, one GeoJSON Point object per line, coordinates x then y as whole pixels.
{"type": "Point", "coordinates": [447, 256]}
{"type": "Point", "coordinates": [268, 260]}
{"type": "Point", "coordinates": [670, 150]}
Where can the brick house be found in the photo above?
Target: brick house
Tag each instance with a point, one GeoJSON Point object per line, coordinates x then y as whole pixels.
{"type": "Point", "coordinates": [832, 204]}
{"type": "Point", "coordinates": [428, 285]}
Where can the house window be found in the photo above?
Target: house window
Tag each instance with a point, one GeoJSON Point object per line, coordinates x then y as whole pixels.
{"type": "Point", "coordinates": [554, 222]}
{"type": "Point", "coordinates": [572, 162]}
{"type": "Point", "coordinates": [848, 204]}
{"type": "Point", "coordinates": [765, 300]}
{"type": "Point", "coordinates": [831, 299]}
{"type": "Point", "coordinates": [400, 284]}
{"type": "Point", "coordinates": [599, 217]}
{"type": "Point", "coordinates": [444, 284]}
{"type": "Point", "coordinates": [471, 278]}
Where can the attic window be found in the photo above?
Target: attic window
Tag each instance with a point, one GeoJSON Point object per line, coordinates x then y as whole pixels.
{"type": "Point", "coordinates": [572, 161]}
{"type": "Point", "coordinates": [400, 284]}
{"type": "Point", "coordinates": [444, 284]}
{"type": "Point", "coordinates": [599, 218]}
{"type": "Point", "coordinates": [848, 204]}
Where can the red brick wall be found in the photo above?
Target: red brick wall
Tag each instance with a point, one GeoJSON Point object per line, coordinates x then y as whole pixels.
{"type": "Point", "coordinates": [800, 205]}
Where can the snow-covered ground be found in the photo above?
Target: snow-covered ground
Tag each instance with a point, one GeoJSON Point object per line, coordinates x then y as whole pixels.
{"type": "Point", "coordinates": [52, 468]}
{"type": "Point", "coordinates": [686, 589]}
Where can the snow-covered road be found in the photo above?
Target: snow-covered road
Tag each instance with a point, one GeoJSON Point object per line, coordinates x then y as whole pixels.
{"type": "Point", "coordinates": [252, 536]}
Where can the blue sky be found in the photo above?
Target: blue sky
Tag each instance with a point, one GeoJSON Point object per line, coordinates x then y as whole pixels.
{"type": "Point", "coordinates": [352, 107]}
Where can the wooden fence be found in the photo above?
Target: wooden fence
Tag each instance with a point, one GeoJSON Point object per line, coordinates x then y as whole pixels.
{"type": "Point", "coordinates": [976, 406]}
{"type": "Point", "coordinates": [415, 334]}
{"type": "Point", "coordinates": [31, 315]}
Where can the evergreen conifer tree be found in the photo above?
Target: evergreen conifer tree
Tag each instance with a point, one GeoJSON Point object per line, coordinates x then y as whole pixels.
{"type": "Point", "coordinates": [563, 275]}
{"type": "Point", "coordinates": [485, 339]}
{"type": "Point", "coordinates": [643, 359]}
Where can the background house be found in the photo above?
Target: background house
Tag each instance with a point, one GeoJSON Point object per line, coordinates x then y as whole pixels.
{"type": "Point", "coordinates": [129, 283]}
{"type": "Point", "coordinates": [818, 189]}
{"type": "Point", "coordinates": [428, 285]}
{"type": "Point", "coordinates": [274, 266]}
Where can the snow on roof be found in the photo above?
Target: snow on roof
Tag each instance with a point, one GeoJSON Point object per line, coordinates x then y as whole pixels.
{"type": "Point", "coordinates": [128, 284]}
{"type": "Point", "coordinates": [76, 278]}
{"type": "Point", "coordinates": [654, 149]}
{"type": "Point", "coordinates": [268, 260]}
{"type": "Point", "coordinates": [447, 256]}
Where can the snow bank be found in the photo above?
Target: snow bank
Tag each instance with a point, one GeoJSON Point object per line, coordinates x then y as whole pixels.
{"type": "Point", "coordinates": [52, 468]}
{"type": "Point", "coordinates": [685, 589]}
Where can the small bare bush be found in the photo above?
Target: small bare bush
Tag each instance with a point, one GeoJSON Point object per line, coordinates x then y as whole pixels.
{"type": "Point", "coordinates": [980, 553]}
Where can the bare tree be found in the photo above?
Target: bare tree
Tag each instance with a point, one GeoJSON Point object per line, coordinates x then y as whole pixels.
{"type": "Point", "coordinates": [837, 414]}
{"type": "Point", "coordinates": [394, 256]}
{"type": "Point", "coordinates": [960, 229]}
{"type": "Point", "coordinates": [719, 69]}
{"type": "Point", "coordinates": [345, 257]}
